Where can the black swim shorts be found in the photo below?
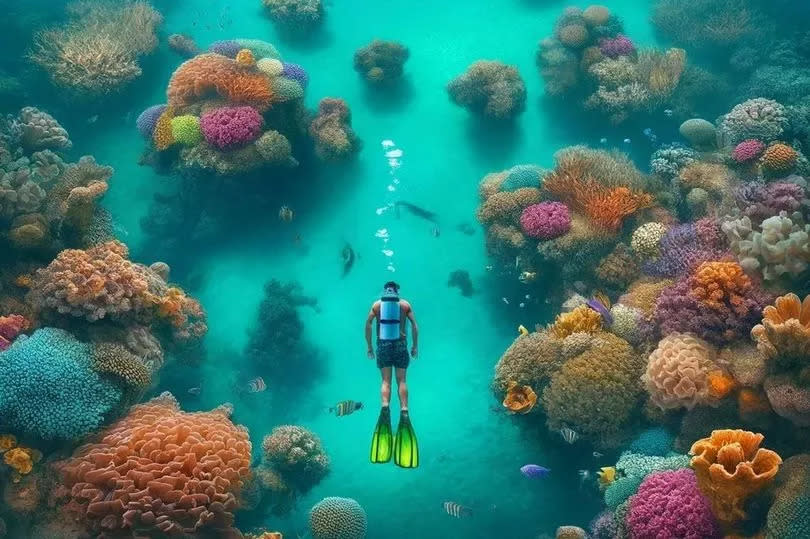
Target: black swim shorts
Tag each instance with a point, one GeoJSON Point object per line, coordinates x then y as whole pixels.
{"type": "Point", "coordinates": [393, 354]}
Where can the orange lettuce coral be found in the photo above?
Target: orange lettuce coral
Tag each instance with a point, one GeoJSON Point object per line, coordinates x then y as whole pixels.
{"type": "Point", "coordinates": [161, 471]}
{"type": "Point", "coordinates": [784, 334]}
{"type": "Point", "coordinates": [730, 467]}
{"type": "Point", "coordinates": [581, 319]}
{"type": "Point", "coordinates": [519, 399]}
{"type": "Point", "coordinates": [721, 286]}
{"type": "Point", "coordinates": [211, 75]}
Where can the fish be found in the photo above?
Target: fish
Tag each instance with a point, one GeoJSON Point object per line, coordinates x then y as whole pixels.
{"type": "Point", "coordinates": [527, 276]}
{"type": "Point", "coordinates": [435, 232]}
{"type": "Point", "coordinates": [668, 113]}
{"type": "Point", "coordinates": [603, 140]}
{"type": "Point", "coordinates": [521, 304]}
{"type": "Point", "coordinates": [488, 267]}
{"type": "Point", "coordinates": [382, 234]}
{"type": "Point", "coordinates": [194, 391]}
{"type": "Point", "coordinates": [388, 252]}
{"type": "Point", "coordinates": [416, 210]}
{"type": "Point", "coordinates": [527, 296]}
{"type": "Point", "coordinates": [505, 300]}
{"type": "Point", "coordinates": [627, 141]}
{"type": "Point", "coordinates": [387, 143]}
{"type": "Point", "coordinates": [522, 330]}
{"type": "Point", "coordinates": [347, 255]}
{"type": "Point", "coordinates": [535, 471]}
{"type": "Point", "coordinates": [256, 385]}
{"type": "Point", "coordinates": [601, 308]}
{"type": "Point", "coordinates": [606, 476]}
{"type": "Point", "coordinates": [346, 407]}
{"type": "Point", "coordinates": [456, 510]}
{"type": "Point", "coordinates": [92, 119]}
{"type": "Point", "coordinates": [285, 214]}
{"type": "Point", "coordinates": [517, 261]}
{"type": "Point", "coordinates": [584, 476]}
{"type": "Point", "coordinates": [466, 229]}
{"type": "Point", "coordinates": [597, 455]}
{"type": "Point", "coordinates": [648, 132]}
{"type": "Point", "coordinates": [569, 435]}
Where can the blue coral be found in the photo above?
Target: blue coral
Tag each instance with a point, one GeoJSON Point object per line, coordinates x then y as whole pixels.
{"type": "Point", "coordinates": [521, 176]}
{"type": "Point", "coordinates": [49, 390]}
{"type": "Point", "coordinates": [655, 441]}
{"type": "Point", "coordinates": [226, 47]}
{"type": "Point", "coordinates": [296, 73]}
{"type": "Point", "coordinates": [147, 120]}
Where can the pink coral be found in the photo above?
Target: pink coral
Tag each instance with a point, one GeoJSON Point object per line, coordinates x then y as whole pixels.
{"type": "Point", "coordinates": [670, 504]}
{"type": "Point", "coordinates": [747, 151]}
{"type": "Point", "coordinates": [231, 127]}
{"type": "Point", "coordinates": [11, 326]}
{"type": "Point", "coordinates": [613, 47]}
{"type": "Point", "coordinates": [546, 220]}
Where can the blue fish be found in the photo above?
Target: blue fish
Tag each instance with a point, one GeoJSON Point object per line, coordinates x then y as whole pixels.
{"type": "Point", "coordinates": [597, 306]}
{"type": "Point", "coordinates": [534, 471]}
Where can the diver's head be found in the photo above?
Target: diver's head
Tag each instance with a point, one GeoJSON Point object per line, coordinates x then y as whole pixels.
{"type": "Point", "coordinates": [391, 288]}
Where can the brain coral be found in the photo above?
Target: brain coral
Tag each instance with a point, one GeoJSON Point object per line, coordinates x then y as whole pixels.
{"type": "Point", "coordinates": [530, 360]}
{"type": "Point", "coordinates": [789, 515]}
{"type": "Point", "coordinates": [647, 239]}
{"type": "Point", "coordinates": [337, 518]}
{"type": "Point", "coordinates": [297, 454]}
{"type": "Point", "coordinates": [545, 220]}
{"type": "Point", "coordinates": [48, 388]}
{"type": "Point", "coordinates": [161, 471]}
{"type": "Point", "coordinates": [593, 396]}
{"type": "Point", "coordinates": [678, 371]}
{"type": "Point", "coordinates": [760, 118]}
{"type": "Point", "coordinates": [669, 504]}
{"type": "Point", "coordinates": [730, 467]}
{"type": "Point", "coordinates": [747, 151]}
{"type": "Point", "coordinates": [784, 334]}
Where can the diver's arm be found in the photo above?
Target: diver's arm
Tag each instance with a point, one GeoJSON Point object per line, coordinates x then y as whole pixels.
{"type": "Point", "coordinates": [414, 332]}
{"type": "Point", "coordinates": [369, 320]}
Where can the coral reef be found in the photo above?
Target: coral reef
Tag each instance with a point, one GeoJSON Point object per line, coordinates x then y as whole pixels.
{"type": "Point", "coordinates": [632, 468]}
{"type": "Point", "coordinates": [784, 334]}
{"type": "Point", "coordinates": [296, 454]}
{"type": "Point", "coordinates": [230, 127]}
{"type": "Point", "coordinates": [381, 62]}
{"type": "Point", "coordinates": [331, 128]}
{"type": "Point", "coordinates": [760, 118]}
{"type": "Point", "coordinates": [490, 88]}
{"type": "Point", "coordinates": [530, 361]}
{"type": "Point", "coordinates": [335, 517]}
{"type": "Point", "coordinates": [546, 220]}
{"type": "Point", "coordinates": [789, 515]}
{"type": "Point", "coordinates": [295, 16]}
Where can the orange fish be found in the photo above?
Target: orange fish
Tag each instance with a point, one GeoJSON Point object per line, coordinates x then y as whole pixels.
{"type": "Point", "coordinates": [519, 399]}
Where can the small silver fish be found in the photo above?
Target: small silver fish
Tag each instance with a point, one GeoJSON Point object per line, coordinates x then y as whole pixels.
{"type": "Point", "coordinates": [569, 435]}
{"type": "Point", "coordinates": [522, 305]}
{"type": "Point", "coordinates": [505, 300]}
{"type": "Point", "coordinates": [456, 510]}
{"type": "Point", "coordinates": [256, 385]}
{"type": "Point", "coordinates": [627, 141]}
{"type": "Point", "coordinates": [92, 119]}
{"type": "Point", "coordinates": [597, 455]}
{"type": "Point", "coordinates": [603, 140]}
{"type": "Point", "coordinates": [488, 268]}
{"type": "Point", "coordinates": [668, 113]}
{"type": "Point", "coordinates": [527, 296]}
{"type": "Point", "coordinates": [194, 391]}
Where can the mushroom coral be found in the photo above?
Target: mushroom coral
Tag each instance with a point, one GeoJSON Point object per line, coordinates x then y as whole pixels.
{"type": "Point", "coordinates": [784, 334]}
{"type": "Point", "coordinates": [593, 396]}
{"type": "Point", "coordinates": [730, 468]}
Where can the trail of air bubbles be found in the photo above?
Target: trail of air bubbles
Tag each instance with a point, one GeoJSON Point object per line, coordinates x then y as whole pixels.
{"type": "Point", "coordinates": [393, 156]}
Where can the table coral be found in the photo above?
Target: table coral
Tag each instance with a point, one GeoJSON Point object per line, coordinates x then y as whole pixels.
{"type": "Point", "coordinates": [730, 468]}
{"type": "Point", "coordinates": [678, 370]}
{"type": "Point", "coordinates": [784, 334]}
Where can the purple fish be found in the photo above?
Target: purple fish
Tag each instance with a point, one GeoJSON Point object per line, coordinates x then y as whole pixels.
{"type": "Point", "coordinates": [534, 471]}
{"type": "Point", "coordinates": [597, 306]}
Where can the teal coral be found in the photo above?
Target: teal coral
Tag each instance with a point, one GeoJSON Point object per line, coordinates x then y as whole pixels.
{"type": "Point", "coordinates": [789, 516]}
{"type": "Point", "coordinates": [656, 441]}
{"type": "Point", "coordinates": [632, 468]}
{"type": "Point", "coordinates": [48, 388]}
{"type": "Point", "coordinates": [285, 89]}
{"type": "Point", "coordinates": [259, 48]}
{"type": "Point", "coordinates": [337, 518]}
{"type": "Point", "coordinates": [522, 176]}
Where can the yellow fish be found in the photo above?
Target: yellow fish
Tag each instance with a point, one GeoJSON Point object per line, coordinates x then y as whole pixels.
{"type": "Point", "coordinates": [522, 330]}
{"type": "Point", "coordinates": [606, 476]}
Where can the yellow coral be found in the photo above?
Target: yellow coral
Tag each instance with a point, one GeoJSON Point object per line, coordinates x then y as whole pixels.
{"type": "Point", "coordinates": [643, 294]}
{"type": "Point", "coordinates": [519, 399]}
{"type": "Point", "coordinates": [23, 280]}
{"type": "Point", "coordinates": [582, 319]}
{"type": "Point", "coordinates": [7, 441]}
{"type": "Point", "coordinates": [722, 286]}
{"type": "Point", "coordinates": [20, 459]}
{"type": "Point", "coordinates": [162, 135]}
{"type": "Point", "coordinates": [785, 330]}
{"type": "Point", "coordinates": [730, 467]}
{"type": "Point", "coordinates": [712, 177]}
{"type": "Point", "coordinates": [245, 58]}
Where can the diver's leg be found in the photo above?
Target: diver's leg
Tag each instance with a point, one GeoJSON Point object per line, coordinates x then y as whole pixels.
{"type": "Point", "coordinates": [385, 388]}
{"type": "Point", "coordinates": [402, 388]}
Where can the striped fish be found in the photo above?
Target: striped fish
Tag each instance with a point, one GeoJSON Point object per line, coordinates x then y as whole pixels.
{"type": "Point", "coordinates": [569, 435]}
{"type": "Point", "coordinates": [456, 510]}
{"type": "Point", "coordinates": [345, 408]}
{"type": "Point", "coordinates": [256, 385]}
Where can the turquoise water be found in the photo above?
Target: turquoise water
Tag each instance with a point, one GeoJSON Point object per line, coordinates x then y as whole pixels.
{"type": "Point", "coordinates": [471, 451]}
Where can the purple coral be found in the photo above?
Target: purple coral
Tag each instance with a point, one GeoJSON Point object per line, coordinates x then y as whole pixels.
{"type": "Point", "coordinates": [747, 151]}
{"type": "Point", "coordinates": [613, 47]}
{"type": "Point", "coordinates": [231, 127]}
{"type": "Point", "coordinates": [546, 220]}
{"type": "Point", "coordinates": [296, 73]}
{"type": "Point", "coordinates": [681, 249]}
{"type": "Point", "coordinates": [147, 120]}
{"type": "Point", "coordinates": [760, 201]}
{"type": "Point", "coordinates": [226, 47]}
{"type": "Point", "coordinates": [670, 504]}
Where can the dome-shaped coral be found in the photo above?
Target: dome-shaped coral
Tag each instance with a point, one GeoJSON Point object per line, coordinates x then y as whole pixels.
{"type": "Point", "coordinates": [530, 360]}
{"type": "Point", "coordinates": [186, 130]}
{"type": "Point", "coordinates": [730, 467]}
{"type": "Point", "coordinates": [546, 220]}
{"type": "Point", "coordinates": [789, 515]}
{"type": "Point", "coordinates": [646, 239]}
{"type": "Point", "coordinates": [337, 518]}
{"type": "Point", "coordinates": [678, 370]}
{"type": "Point", "coordinates": [778, 160]}
{"type": "Point", "coordinates": [297, 455]}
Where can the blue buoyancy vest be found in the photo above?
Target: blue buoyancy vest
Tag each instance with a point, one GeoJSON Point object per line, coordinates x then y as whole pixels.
{"type": "Point", "coordinates": [389, 317]}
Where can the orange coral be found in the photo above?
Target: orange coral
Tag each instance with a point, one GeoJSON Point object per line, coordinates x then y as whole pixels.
{"type": "Point", "coordinates": [162, 472]}
{"type": "Point", "coordinates": [245, 58]}
{"type": "Point", "coordinates": [176, 307]}
{"type": "Point", "coordinates": [730, 467]}
{"type": "Point", "coordinates": [752, 402]}
{"type": "Point", "coordinates": [581, 319]}
{"type": "Point", "coordinates": [721, 286]}
{"type": "Point", "coordinates": [23, 280]}
{"type": "Point", "coordinates": [162, 135]}
{"type": "Point", "coordinates": [519, 399]}
{"type": "Point", "coordinates": [779, 158]}
{"type": "Point", "coordinates": [606, 206]}
{"type": "Point", "coordinates": [21, 460]}
{"type": "Point", "coordinates": [643, 294]}
{"type": "Point", "coordinates": [214, 74]}
{"type": "Point", "coordinates": [7, 441]}
{"type": "Point", "coordinates": [785, 329]}
{"type": "Point", "coordinates": [720, 384]}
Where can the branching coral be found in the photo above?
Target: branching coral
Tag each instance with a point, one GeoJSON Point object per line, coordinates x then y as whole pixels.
{"type": "Point", "coordinates": [730, 468]}
{"type": "Point", "coordinates": [161, 470]}
{"type": "Point", "coordinates": [490, 88]}
{"type": "Point", "coordinates": [231, 127]}
{"type": "Point", "coordinates": [331, 128]}
{"type": "Point", "coordinates": [546, 220]}
{"type": "Point", "coordinates": [381, 62]}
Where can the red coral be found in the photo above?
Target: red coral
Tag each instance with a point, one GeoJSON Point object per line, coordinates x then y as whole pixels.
{"type": "Point", "coordinates": [162, 472]}
{"type": "Point", "coordinates": [11, 326]}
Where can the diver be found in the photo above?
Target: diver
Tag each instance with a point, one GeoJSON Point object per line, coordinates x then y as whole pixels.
{"type": "Point", "coordinates": [391, 313]}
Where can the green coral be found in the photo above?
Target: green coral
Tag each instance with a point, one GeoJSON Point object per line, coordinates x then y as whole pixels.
{"type": "Point", "coordinates": [789, 516]}
{"type": "Point", "coordinates": [285, 89]}
{"type": "Point", "coordinates": [522, 176]}
{"type": "Point", "coordinates": [259, 48]}
{"type": "Point", "coordinates": [632, 468]}
{"type": "Point", "coordinates": [186, 130]}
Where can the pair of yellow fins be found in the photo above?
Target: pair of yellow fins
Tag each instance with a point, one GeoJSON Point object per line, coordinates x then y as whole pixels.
{"type": "Point", "coordinates": [403, 446]}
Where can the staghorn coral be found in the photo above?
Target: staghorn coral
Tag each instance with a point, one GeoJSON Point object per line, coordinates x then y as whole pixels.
{"type": "Point", "coordinates": [677, 373]}
{"type": "Point", "coordinates": [545, 220]}
{"type": "Point", "coordinates": [161, 470]}
{"type": "Point", "coordinates": [730, 468]}
{"type": "Point", "coordinates": [297, 455]}
{"type": "Point", "coordinates": [337, 518]}
{"type": "Point", "coordinates": [212, 74]}
{"type": "Point", "coordinates": [784, 334]}
{"type": "Point", "coordinates": [778, 160]}
{"type": "Point", "coordinates": [595, 397]}
{"type": "Point", "coordinates": [381, 62]}
{"type": "Point", "coordinates": [789, 399]}
{"type": "Point", "coordinates": [228, 128]}
{"type": "Point", "coordinates": [670, 504]}
{"type": "Point", "coordinates": [489, 88]}
{"type": "Point", "coordinates": [331, 128]}
{"type": "Point", "coordinates": [760, 118]}
{"type": "Point", "coordinates": [530, 360]}
{"type": "Point", "coordinates": [580, 319]}
{"type": "Point", "coordinates": [295, 16]}
{"type": "Point", "coordinates": [619, 268]}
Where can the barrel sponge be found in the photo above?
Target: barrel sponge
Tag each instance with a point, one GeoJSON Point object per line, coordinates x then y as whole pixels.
{"type": "Point", "coordinates": [655, 441]}
{"type": "Point", "coordinates": [593, 396]}
{"type": "Point", "coordinates": [161, 471]}
{"type": "Point", "coordinates": [522, 176]}
{"type": "Point", "coordinates": [48, 388]}
{"type": "Point", "coordinates": [784, 334]}
{"type": "Point", "coordinates": [646, 240]}
{"type": "Point", "coordinates": [186, 130]}
{"type": "Point", "coordinates": [789, 515]}
{"type": "Point", "coordinates": [677, 373]}
{"type": "Point", "coordinates": [337, 518]}
{"type": "Point", "coordinates": [632, 468]}
{"type": "Point", "coordinates": [297, 454]}
{"type": "Point", "coordinates": [669, 504]}
{"type": "Point", "coordinates": [759, 118]}
{"type": "Point", "coordinates": [530, 361]}
{"type": "Point", "coordinates": [730, 467]}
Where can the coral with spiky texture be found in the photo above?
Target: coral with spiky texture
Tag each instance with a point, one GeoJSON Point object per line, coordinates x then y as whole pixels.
{"type": "Point", "coordinates": [490, 88]}
{"type": "Point", "coordinates": [295, 16]}
{"type": "Point", "coordinates": [381, 62]}
{"type": "Point", "coordinates": [228, 128]}
{"type": "Point", "coordinates": [331, 128]}
{"type": "Point", "coordinates": [747, 151]}
{"type": "Point", "coordinates": [593, 396]}
{"type": "Point", "coordinates": [778, 160]}
{"type": "Point", "coordinates": [677, 373]}
{"type": "Point", "coordinates": [161, 470]}
{"type": "Point", "coordinates": [730, 468]}
{"type": "Point", "coordinates": [530, 360]}
{"type": "Point", "coordinates": [337, 518]}
{"type": "Point", "coordinates": [297, 455]}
